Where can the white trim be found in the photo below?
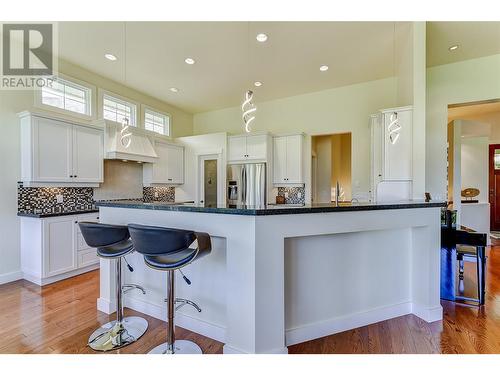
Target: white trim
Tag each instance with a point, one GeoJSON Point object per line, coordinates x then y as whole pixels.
{"type": "Point", "coordinates": [91, 105]}
{"type": "Point", "coordinates": [10, 276]}
{"type": "Point", "coordinates": [345, 323]}
{"type": "Point", "coordinates": [105, 306]}
{"type": "Point", "coordinates": [226, 349]}
{"type": "Point", "coordinates": [199, 326]}
{"type": "Point", "coordinates": [100, 106]}
{"type": "Point", "coordinates": [144, 108]}
{"type": "Point", "coordinates": [35, 279]}
{"type": "Point", "coordinates": [429, 314]}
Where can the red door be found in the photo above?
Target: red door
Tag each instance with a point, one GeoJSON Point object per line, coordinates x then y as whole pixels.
{"type": "Point", "coordinates": [494, 182]}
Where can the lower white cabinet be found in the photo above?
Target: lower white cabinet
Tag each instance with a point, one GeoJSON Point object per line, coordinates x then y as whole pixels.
{"type": "Point", "coordinates": [53, 248]}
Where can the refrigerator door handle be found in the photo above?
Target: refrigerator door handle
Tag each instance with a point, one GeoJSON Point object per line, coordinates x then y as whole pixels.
{"type": "Point", "coordinates": [243, 186]}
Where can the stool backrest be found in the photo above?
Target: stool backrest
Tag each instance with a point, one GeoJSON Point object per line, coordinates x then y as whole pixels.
{"type": "Point", "coordinates": [100, 235]}
{"type": "Point", "coordinates": [151, 240]}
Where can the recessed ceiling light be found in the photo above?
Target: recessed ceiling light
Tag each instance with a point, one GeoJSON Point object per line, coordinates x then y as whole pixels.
{"type": "Point", "coordinates": [323, 68]}
{"type": "Point", "coordinates": [110, 57]}
{"type": "Point", "coordinates": [453, 47]}
{"type": "Point", "coordinates": [174, 89]}
{"type": "Point", "coordinates": [261, 37]}
{"type": "Point", "coordinates": [189, 61]}
{"type": "Point", "coordinates": [258, 84]}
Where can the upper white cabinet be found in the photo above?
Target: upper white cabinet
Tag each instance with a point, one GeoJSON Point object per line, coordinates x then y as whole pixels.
{"type": "Point", "coordinates": [397, 156]}
{"type": "Point", "coordinates": [391, 157]}
{"type": "Point", "coordinates": [287, 160]}
{"type": "Point", "coordinates": [168, 168]}
{"type": "Point", "coordinates": [245, 148]}
{"type": "Point", "coordinates": [56, 152]}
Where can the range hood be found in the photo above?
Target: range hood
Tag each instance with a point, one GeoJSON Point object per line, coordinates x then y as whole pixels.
{"type": "Point", "coordinates": [140, 149]}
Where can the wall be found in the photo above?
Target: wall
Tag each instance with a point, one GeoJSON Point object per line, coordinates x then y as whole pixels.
{"type": "Point", "coordinates": [474, 166]}
{"type": "Point", "coordinates": [465, 81]}
{"type": "Point", "coordinates": [121, 180]}
{"type": "Point", "coordinates": [338, 110]}
{"type": "Point", "coordinates": [12, 102]}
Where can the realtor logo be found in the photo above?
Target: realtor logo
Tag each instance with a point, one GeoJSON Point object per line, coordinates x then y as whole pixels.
{"type": "Point", "coordinates": [28, 56]}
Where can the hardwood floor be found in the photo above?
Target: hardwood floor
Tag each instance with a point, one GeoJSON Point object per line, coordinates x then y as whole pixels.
{"type": "Point", "coordinates": [60, 317]}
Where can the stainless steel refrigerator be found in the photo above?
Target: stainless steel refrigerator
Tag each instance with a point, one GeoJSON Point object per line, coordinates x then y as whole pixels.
{"type": "Point", "coordinates": [246, 184]}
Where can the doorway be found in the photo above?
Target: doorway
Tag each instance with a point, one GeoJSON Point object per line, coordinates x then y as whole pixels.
{"type": "Point", "coordinates": [473, 138]}
{"type": "Point", "coordinates": [208, 181]}
{"type": "Point", "coordinates": [331, 165]}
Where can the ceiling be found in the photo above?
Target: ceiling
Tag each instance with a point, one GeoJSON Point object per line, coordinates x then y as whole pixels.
{"type": "Point", "coordinates": [472, 110]}
{"type": "Point", "coordinates": [229, 59]}
{"type": "Point", "coordinates": [475, 39]}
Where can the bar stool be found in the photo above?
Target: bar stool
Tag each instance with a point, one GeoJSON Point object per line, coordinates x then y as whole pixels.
{"type": "Point", "coordinates": [168, 249]}
{"type": "Point", "coordinates": [113, 242]}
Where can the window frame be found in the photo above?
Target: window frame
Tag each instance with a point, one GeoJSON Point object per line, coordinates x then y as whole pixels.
{"type": "Point", "coordinates": [90, 105]}
{"type": "Point", "coordinates": [104, 93]}
{"type": "Point", "coordinates": [146, 108]}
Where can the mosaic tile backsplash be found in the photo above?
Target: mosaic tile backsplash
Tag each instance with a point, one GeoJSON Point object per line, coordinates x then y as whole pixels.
{"type": "Point", "coordinates": [43, 199]}
{"type": "Point", "coordinates": [293, 194]}
{"type": "Point", "coordinates": [158, 194]}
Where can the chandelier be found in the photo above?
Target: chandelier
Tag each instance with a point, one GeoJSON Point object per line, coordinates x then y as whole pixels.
{"type": "Point", "coordinates": [394, 128]}
{"type": "Point", "coordinates": [248, 109]}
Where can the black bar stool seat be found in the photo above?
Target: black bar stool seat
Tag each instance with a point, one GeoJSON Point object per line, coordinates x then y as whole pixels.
{"type": "Point", "coordinates": [170, 249]}
{"type": "Point", "coordinates": [113, 242]}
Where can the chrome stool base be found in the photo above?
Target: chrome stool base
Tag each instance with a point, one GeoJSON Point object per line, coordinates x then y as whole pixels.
{"type": "Point", "coordinates": [181, 347]}
{"type": "Point", "coordinates": [114, 335]}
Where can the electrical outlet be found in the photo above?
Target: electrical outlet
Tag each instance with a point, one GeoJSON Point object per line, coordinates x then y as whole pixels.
{"type": "Point", "coordinates": [59, 198]}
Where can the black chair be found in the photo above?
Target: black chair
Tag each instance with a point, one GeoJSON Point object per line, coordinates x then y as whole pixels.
{"type": "Point", "coordinates": [113, 242]}
{"type": "Point", "coordinates": [168, 249]}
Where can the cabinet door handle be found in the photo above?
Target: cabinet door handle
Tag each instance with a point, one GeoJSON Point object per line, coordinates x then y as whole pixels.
{"type": "Point", "coordinates": [76, 222]}
{"type": "Point", "coordinates": [170, 179]}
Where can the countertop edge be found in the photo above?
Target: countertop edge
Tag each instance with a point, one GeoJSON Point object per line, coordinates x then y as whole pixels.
{"type": "Point", "coordinates": [43, 216]}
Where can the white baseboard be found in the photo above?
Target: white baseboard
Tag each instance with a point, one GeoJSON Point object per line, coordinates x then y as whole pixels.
{"type": "Point", "coordinates": [344, 323]}
{"type": "Point", "coordinates": [106, 306]}
{"type": "Point", "coordinates": [10, 276]}
{"type": "Point", "coordinates": [226, 349]}
{"type": "Point", "coordinates": [36, 279]}
{"type": "Point", "coordinates": [429, 314]}
{"type": "Point", "coordinates": [200, 326]}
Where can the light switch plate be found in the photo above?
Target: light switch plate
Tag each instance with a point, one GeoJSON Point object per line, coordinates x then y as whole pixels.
{"type": "Point", "coordinates": [59, 198]}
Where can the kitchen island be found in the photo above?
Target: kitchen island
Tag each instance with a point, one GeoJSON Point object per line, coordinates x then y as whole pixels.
{"type": "Point", "coordinates": [280, 275]}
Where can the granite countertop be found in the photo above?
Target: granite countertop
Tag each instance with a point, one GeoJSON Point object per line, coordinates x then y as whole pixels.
{"type": "Point", "coordinates": [269, 209]}
{"type": "Point", "coordinates": [55, 214]}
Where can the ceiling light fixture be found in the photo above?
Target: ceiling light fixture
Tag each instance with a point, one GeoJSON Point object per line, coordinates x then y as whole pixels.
{"type": "Point", "coordinates": [189, 61]}
{"type": "Point", "coordinates": [248, 109]}
{"type": "Point", "coordinates": [174, 89]}
{"type": "Point", "coordinates": [110, 57]}
{"type": "Point", "coordinates": [453, 47]}
{"type": "Point", "coordinates": [261, 37]}
{"type": "Point", "coordinates": [258, 84]}
{"type": "Point", "coordinates": [323, 68]}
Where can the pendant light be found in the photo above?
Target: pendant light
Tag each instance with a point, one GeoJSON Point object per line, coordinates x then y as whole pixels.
{"type": "Point", "coordinates": [248, 107]}
{"type": "Point", "coordinates": [394, 126]}
{"type": "Point", "coordinates": [125, 134]}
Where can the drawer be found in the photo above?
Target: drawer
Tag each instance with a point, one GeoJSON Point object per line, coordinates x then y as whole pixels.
{"type": "Point", "coordinates": [87, 258]}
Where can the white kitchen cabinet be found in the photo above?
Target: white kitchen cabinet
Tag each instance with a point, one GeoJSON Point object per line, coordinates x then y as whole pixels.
{"type": "Point", "coordinates": [168, 168]}
{"type": "Point", "coordinates": [60, 153]}
{"type": "Point", "coordinates": [87, 155]}
{"type": "Point", "coordinates": [287, 160]}
{"type": "Point", "coordinates": [248, 148]}
{"type": "Point", "coordinates": [53, 248]}
{"type": "Point", "coordinates": [398, 155]}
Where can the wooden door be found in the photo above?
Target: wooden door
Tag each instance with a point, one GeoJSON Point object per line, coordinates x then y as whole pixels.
{"type": "Point", "coordinates": [494, 186]}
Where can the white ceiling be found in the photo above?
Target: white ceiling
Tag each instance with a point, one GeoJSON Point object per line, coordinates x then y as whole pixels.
{"type": "Point", "coordinates": [229, 59]}
{"type": "Point", "coordinates": [475, 39]}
